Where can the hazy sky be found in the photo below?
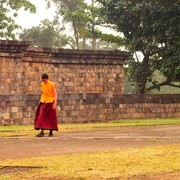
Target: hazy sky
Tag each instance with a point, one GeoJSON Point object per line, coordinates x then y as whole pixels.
{"type": "Point", "coordinates": [27, 20]}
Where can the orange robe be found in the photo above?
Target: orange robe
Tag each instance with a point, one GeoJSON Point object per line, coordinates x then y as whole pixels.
{"type": "Point", "coordinates": [45, 117]}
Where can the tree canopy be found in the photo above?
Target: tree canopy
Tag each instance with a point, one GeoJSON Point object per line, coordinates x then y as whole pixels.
{"type": "Point", "coordinates": [83, 20]}
{"type": "Point", "coordinates": [8, 10]}
{"type": "Point", "coordinates": [47, 34]}
{"type": "Point", "coordinates": [74, 26]}
{"type": "Point", "coordinates": [152, 28]}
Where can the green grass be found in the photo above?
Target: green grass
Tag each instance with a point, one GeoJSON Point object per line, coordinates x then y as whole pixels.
{"type": "Point", "coordinates": [116, 164]}
{"type": "Point", "coordinates": [6, 131]}
{"type": "Point", "coordinates": [148, 121]}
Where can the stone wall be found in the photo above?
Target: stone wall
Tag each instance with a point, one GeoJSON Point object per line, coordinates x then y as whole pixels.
{"type": "Point", "coordinates": [73, 71]}
{"type": "Point", "coordinates": [91, 107]}
{"type": "Point", "coordinates": [90, 86]}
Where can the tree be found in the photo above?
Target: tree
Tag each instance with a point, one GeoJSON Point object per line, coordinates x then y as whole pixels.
{"type": "Point", "coordinates": [150, 27]}
{"type": "Point", "coordinates": [46, 34]}
{"type": "Point", "coordinates": [167, 35]}
{"type": "Point", "coordinates": [8, 10]}
{"type": "Point", "coordinates": [164, 89]}
{"type": "Point", "coordinates": [73, 12]}
{"type": "Point", "coordinates": [55, 35]}
{"type": "Point", "coordinates": [83, 19]}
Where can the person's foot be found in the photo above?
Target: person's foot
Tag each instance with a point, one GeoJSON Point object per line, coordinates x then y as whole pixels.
{"type": "Point", "coordinates": [41, 134]}
{"type": "Point", "coordinates": [50, 134]}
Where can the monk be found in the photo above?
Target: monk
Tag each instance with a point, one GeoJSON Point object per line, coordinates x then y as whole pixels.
{"type": "Point", "coordinates": [45, 118]}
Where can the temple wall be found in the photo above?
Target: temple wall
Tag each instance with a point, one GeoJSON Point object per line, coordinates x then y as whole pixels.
{"type": "Point", "coordinates": [90, 86]}
{"type": "Point", "coordinates": [73, 71]}
{"type": "Point", "coordinates": [91, 107]}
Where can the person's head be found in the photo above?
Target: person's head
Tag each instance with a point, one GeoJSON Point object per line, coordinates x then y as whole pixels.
{"type": "Point", "coordinates": [44, 77]}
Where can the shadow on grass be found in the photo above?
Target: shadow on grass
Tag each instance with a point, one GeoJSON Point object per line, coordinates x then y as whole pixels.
{"type": "Point", "coordinates": [16, 169]}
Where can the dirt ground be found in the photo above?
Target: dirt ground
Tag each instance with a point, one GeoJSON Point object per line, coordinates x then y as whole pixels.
{"type": "Point", "coordinates": [88, 141]}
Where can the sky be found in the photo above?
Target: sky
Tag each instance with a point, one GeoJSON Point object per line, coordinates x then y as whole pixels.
{"type": "Point", "coordinates": [27, 19]}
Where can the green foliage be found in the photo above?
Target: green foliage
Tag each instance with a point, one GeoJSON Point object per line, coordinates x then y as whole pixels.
{"type": "Point", "coordinates": [167, 35]}
{"type": "Point", "coordinates": [46, 34]}
{"type": "Point", "coordinates": [119, 41]}
{"type": "Point", "coordinates": [73, 12]}
{"type": "Point", "coordinates": [84, 20]}
{"type": "Point", "coordinates": [8, 10]}
{"type": "Point", "coordinates": [152, 28]}
{"type": "Point", "coordinates": [130, 88]}
{"type": "Point", "coordinates": [158, 77]}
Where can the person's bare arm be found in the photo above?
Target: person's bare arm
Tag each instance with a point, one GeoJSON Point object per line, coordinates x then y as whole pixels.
{"type": "Point", "coordinates": [55, 92]}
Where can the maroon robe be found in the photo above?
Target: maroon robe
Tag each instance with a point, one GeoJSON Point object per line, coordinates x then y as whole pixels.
{"type": "Point", "coordinates": [45, 117]}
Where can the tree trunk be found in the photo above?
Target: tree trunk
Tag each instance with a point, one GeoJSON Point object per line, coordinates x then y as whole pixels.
{"type": "Point", "coordinates": [142, 88]}
{"type": "Point", "coordinates": [76, 35]}
{"type": "Point", "coordinates": [94, 44]}
{"type": "Point", "coordinates": [84, 42]}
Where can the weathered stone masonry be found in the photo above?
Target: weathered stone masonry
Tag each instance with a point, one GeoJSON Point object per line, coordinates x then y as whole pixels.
{"type": "Point", "coordinates": [90, 86]}
{"type": "Point", "coordinates": [73, 71]}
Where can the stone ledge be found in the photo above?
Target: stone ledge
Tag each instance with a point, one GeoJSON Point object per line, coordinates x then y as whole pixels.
{"type": "Point", "coordinates": [78, 51]}
{"type": "Point", "coordinates": [70, 56]}
{"type": "Point", "coordinates": [14, 46]}
{"type": "Point", "coordinates": [24, 50]}
{"type": "Point", "coordinates": [92, 98]}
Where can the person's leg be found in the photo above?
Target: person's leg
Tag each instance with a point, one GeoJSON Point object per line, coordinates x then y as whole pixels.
{"type": "Point", "coordinates": [41, 134]}
{"type": "Point", "coordinates": [51, 133]}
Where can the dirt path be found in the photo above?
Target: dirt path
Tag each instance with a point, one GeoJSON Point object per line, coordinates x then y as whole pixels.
{"type": "Point", "coordinates": [88, 141]}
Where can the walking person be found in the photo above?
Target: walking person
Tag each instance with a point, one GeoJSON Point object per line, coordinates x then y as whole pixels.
{"type": "Point", "coordinates": [45, 118]}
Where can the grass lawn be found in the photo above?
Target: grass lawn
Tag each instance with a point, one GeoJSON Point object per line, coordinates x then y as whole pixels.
{"type": "Point", "coordinates": [117, 164]}
{"type": "Point", "coordinates": [6, 131]}
{"type": "Point", "coordinates": [162, 162]}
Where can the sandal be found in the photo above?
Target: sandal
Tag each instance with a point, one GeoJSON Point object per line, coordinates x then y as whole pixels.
{"type": "Point", "coordinates": [41, 134]}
